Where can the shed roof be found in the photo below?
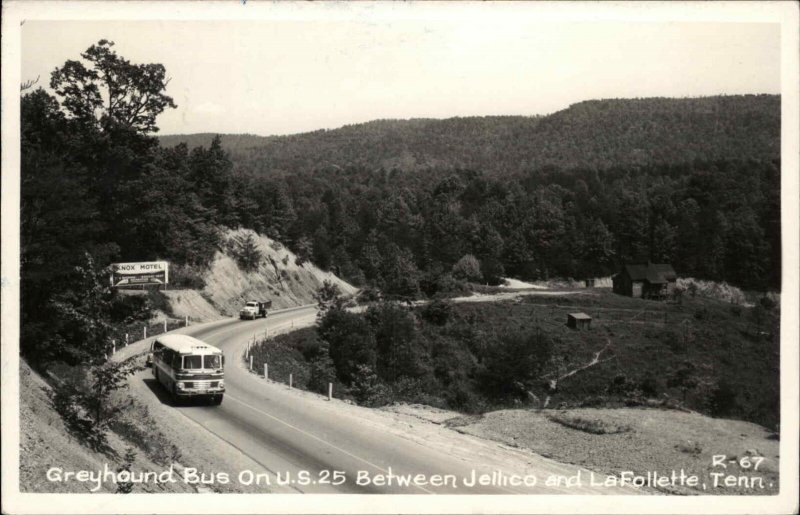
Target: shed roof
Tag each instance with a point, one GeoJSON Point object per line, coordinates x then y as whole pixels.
{"type": "Point", "coordinates": [580, 316]}
{"type": "Point", "coordinates": [651, 272]}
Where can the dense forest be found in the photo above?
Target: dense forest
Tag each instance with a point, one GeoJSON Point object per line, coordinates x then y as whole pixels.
{"type": "Point", "coordinates": [692, 182]}
{"type": "Point", "coordinates": [595, 134]}
{"type": "Point", "coordinates": [397, 204]}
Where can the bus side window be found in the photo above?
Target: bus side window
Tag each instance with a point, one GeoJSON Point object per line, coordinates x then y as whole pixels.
{"type": "Point", "coordinates": [176, 361]}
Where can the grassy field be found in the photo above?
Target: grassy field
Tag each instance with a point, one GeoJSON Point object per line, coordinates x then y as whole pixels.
{"type": "Point", "coordinates": [711, 356]}
{"type": "Point", "coordinates": [700, 354]}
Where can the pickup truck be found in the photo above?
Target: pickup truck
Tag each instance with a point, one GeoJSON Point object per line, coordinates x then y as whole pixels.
{"type": "Point", "coordinates": [254, 309]}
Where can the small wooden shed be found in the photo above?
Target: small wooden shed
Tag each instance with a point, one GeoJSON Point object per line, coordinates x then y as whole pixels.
{"type": "Point", "coordinates": [579, 321]}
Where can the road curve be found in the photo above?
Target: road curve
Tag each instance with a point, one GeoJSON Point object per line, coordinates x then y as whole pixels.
{"type": "Point", "coordinates": [310, 445]}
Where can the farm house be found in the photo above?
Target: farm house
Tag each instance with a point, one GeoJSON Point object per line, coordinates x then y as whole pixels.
{"type": "Point", "coordinates": [645, 280]}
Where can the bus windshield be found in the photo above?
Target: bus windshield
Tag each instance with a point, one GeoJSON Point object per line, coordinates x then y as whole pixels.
{"type": "Point", "coordinates": [213, 361]}
{"type": "Point", "coordinates": [193, 362]}
{"type": "Point", "coordinates": [198, 362]}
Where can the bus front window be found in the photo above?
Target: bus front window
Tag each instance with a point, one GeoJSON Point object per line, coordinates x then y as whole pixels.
{"type": "Point", "coordinates": [192, 362]}
{"type": "Point", "coordinates": [212, 361]}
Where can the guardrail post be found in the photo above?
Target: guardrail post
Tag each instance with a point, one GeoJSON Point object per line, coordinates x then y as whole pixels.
{"type": "Point", "coordinates": [186, 321]}
{"type": "Point", "coordinates": [266, 371]}
{"type": "Point", "coordinates": [290, 380]}
{"type": "Point", "coordinates": [165, 325]}
{"type": "Point", "coordinates": [330, 391]}
{"type": "Point", "coordinates": [251, 362]}
{"type": "Point", "coordinates": [113, 346]}
{"type": "Point", "coordinates": [145, 333]}
{"type": "Point", "coordinates": [126, 339]}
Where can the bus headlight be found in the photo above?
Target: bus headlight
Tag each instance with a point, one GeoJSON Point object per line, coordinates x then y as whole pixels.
{"type": "Point", "coordinates": [221, 383]}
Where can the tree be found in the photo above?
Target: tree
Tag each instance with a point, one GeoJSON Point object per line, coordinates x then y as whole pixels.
{"type": "Point", "coordinates": [518, 359]}
{"type": "Point", "coordinates": [164, 215]}
{"type": "Point", "coordinates": [83, 315]}
{"type": "Point", "coordinates": [107, 90]}
{"type": "Point", "coordinates": [351, 342]}
{"type": "Point", "coordinates": [468, 268]}
{"type": "Point", "coordinates": [323, 371]}
{"type": "Point", "coordinates": [211, 172]}
{"type": "Point", "coordinates": [328, 296]}
{"type": "Point", "coordinates": [400, 351]}
{"type": "Point", "coordinates": [247, 253]}
{"type": "Point", "coordinates": [598, 247]}
{"type": "Point", "coordinates": [303, 249]}
{"type": "Point", "coordinates": [399, 273]}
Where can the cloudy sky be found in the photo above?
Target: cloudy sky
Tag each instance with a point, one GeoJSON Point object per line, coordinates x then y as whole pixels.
{"type": "Point", "coordinates": [285, 76]}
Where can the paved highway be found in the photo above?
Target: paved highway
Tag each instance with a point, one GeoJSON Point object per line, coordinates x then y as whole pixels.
{"type": "Point", "coordinates": [316, 446]}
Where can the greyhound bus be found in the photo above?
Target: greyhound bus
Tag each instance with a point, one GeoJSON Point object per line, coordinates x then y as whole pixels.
{"type": "Point", "coordinates": [188, 367]}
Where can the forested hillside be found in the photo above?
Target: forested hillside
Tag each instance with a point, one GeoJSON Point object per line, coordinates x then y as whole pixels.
{"type": "Point", "coordinates": [413, 208]}
{"type": "Point", "coordinates": [596, 134]}
{"type": "Point", "coordinates": [406, 205]}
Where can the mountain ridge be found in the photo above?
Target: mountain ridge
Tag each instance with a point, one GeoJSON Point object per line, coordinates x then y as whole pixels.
{"type": "Point", "coordinates": [592, 133]}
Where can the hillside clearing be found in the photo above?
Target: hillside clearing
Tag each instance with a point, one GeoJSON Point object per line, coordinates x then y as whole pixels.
{"type": "Point", "coordinates": [653, 440]}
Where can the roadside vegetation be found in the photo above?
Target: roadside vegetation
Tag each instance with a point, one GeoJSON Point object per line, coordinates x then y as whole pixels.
{"type": "Point", "coordinates": [698, 354]}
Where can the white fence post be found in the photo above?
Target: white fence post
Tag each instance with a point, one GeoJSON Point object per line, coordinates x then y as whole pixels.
{"type": "Point", "coordinates": [290, 380]}
{"type": "Point", "coordinates": [330, 391]}
{"type": "Point", "coordinates": [266, 371]}
{"type": "Point", "coordinates": [251, 362]}
{"type": "Point", "coordinates": [145, 333]}
{"type": "Point", "coordinates": [165, 325]}
{"type": "Point", "coordinates": [113, 346]}
{"type": "Point", "coordinates": [126, 339]}
{"type": "Point", "coordinates": [186, 321]}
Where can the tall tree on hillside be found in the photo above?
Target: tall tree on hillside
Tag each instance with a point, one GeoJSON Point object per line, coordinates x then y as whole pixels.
{"type": "Point", "coordinates": [211, 171]}
{"type": "Point", "coordinates": [107, 90]}
{"type": "Point", "coordinates": [77, 156]}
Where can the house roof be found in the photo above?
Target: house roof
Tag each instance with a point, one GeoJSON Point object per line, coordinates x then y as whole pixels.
{"type": "Point", "coordinates": [651, 272]}
{"type": "Point", "coordinates": [580, 316]}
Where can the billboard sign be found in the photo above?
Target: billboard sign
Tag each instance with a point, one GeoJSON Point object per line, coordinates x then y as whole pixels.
{"type": "Point", "coordinates": [135, 274]}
